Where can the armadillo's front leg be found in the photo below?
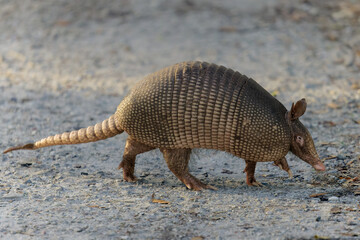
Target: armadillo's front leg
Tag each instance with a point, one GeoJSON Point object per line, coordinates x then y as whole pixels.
{"type": "Point", "coordinates": [177, 161]}
{"type": "Point", "coordinates": [250, 174]}
{"type": "Point", "coordinates": [283, 164]}
{"type": "Point", "coordinates": [132, 148]}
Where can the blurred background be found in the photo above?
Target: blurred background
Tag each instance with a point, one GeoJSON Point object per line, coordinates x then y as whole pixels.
{"type": "Point", "coordinates": [77, 44]}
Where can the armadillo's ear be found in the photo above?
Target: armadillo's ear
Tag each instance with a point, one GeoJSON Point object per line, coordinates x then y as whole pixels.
{"type": "Point", "coordinates": [298, 109]}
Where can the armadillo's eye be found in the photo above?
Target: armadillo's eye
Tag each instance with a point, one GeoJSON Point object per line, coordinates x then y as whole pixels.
{"type": "Point", "coordinates": [300, 140]}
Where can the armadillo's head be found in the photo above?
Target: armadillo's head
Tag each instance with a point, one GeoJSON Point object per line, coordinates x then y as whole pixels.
{"type": "Point", "coordinates": [302, 144]}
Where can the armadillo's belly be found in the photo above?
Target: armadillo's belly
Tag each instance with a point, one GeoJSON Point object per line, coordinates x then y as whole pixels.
{"type": "Point", "coordinates": [201, 105]}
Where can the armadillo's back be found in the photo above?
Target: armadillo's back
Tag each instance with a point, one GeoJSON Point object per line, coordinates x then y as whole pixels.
{"type": "Point", "coordinates": [201, 105]}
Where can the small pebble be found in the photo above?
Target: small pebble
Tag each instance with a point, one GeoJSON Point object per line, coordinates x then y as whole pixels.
{"type": "Point", "coordinates": [324, 199]}
{"type": "Point", "coordinates": [341, 181]}
{"type": "Point", "coordinates": [352, 223]}
{"type": "Point", "coordinates": [28, 181]}
{"type": "Point", "coordinates": [12, 196]}
{"type": "Point", "coordinates": [333, 199]}
{"type": "Point", "coordinates": [332, 171]}
{"type": "Point", "coordinates": [25, 164]}
{"type": "Point", "coordinates": [49, 198]}
{"type": "Point", "coordinates": [227, 171]}
{"type": "Point", "coordinates": [331, 151]}
{"type": "Point", "coordinates": [318, 219]}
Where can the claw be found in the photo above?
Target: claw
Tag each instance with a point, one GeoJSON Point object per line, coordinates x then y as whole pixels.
{"type": "Point", "coordinates": [212, 187]}
{"type": "Point", "coordinates": [201, 187]}
{"type": "Point", "coordinates": [256, 184]}
{"type": "Point", "coordinates": [283, 165]}
{"type": "Point", "coordinates": [193, 183]}
{"type": "Point", "coordinates": [290, 173]}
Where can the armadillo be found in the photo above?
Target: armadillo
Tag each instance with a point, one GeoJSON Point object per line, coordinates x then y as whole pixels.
{"type": "Point", "coordinates": [200, 105]}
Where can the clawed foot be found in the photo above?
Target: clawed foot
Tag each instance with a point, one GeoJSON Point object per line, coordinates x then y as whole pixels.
{"type": "Point", "coordinates": [130, 178]}
{"type": "Point", "coordinates": [283, 165]}
{"type": "Point", "coordinates": [255, 184]}
{"type": "Point", "coordinates": [195, 184]}
{"type": "Point", "coordinates": [128, 172]}
{"type": "Point", "coordinates": [250, 172]}
{"type": "Point", "coordinates": [251, 181]}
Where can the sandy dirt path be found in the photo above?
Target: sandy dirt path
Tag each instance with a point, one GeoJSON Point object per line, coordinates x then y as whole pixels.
{"type": "Point", "coordinates": [67, 64]}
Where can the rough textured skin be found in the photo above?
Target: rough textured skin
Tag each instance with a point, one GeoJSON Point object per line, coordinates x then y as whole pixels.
{"type": "Point", "coordinates": [200, 105]}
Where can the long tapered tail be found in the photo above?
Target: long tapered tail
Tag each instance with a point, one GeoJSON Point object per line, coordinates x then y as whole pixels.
{"type": "Point", "coordinates": [99, 131]}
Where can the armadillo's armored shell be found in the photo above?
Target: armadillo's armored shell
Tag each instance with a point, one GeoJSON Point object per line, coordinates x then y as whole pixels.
{"type": "Point", "coordinates": [201, 105]}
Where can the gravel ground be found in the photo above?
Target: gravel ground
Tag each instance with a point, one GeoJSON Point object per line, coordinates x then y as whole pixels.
{"type": "Point", "coordinates": [67, 64]}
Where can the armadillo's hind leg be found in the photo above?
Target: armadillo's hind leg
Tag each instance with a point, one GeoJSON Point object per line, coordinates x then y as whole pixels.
{"type": "Point", "coordinates": [132, 148]}
{"type": "Point", "coordinates": [250, 174]}
{"type": "Point", "coordinates": [177, 161]}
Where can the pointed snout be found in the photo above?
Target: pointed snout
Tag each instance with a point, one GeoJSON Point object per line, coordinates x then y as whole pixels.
{"type": "Point", "coordinates": [319, 166]}
{"type": "Point", "coordinates": [314, 161]}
